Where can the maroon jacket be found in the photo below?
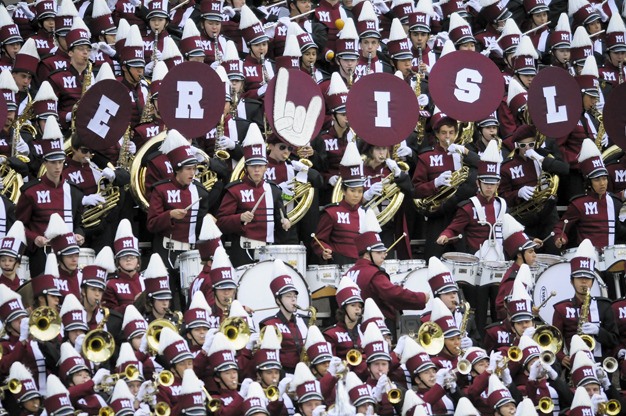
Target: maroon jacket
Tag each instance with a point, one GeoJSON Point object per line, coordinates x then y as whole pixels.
{"type": "Point", "coordinates": [617, 176]}
{"type": "Point", "coordinates": [231, 402]}
{"type": "Point", "coordinates": [158, 168]}
{"type": "Point", "coordinates": [609, 73]}
{"type": "Point", "coordinates": [433, 396]}
{"type": "Point", "coordinates": [570, 145]}
{"type": "Point", "coordinates": [294, 333]}
{"type": "Point", "coordinates": [68, 86]}
{"type": "Point", "coordinates": [11, 284]}
{"type": "Point", "coordinates": [125, 10]}
{"type": "Point", "coordinates": [499, 334]}
{"type": "Point", "coordinates": [170, 394]}
{"type": "Point", "coordinates": [85, 399]}
{"type": "Point", "coordinates": [148, 43]}
{"type": "Point", "coordinates": [374, 283]}
{"type": "Point", "coordinates": [337, 228]}
{"type": "Point", "coordinates": [430, 164]}
{"type": "Point", "coordinates": [69, 282]}
{"type": "Point", "coordinates": [343, 340]}
{"type": "Point", "coordinates": [504, 290]}
{"type": "Point", "coordinates": [84, 175]}
{"type": "Point", "coordinates": [594, 217]}
{"type": "Point", "coordinates": [203, 283]}
{"type": "Point", "coordinates": [121, 291]}
{"type": "Point", "coordinates": [44, 41]}
{"type": "Point", "coordinates": [327, 14]}
{"type": "Point", "coordinates": [58, 61]}
{"type": "Point", "coordinates": [139, 96]}
{"type": "Point", "coordinates": [253, 72]}
{"type": "Point", "coordinates": [331, 149]}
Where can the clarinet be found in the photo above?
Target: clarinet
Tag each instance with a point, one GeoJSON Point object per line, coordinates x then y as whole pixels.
{"type": "Point", "coordinates": [419, 60]}
{"type": "Point", "coordinates": [369, 64]}
{"type": "Point", "coordinates": [313, 72]}
{"type": "Point", "coordinates": [620, 77]}
{"type": "Point", "coordinates": [264, 71]}
{"type": "Point", "coordinates": [218, 54]}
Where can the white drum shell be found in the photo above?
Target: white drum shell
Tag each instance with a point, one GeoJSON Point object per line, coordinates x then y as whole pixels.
{"type": "Point", "coordinates": [254, 289]}
{"type": "Point", "coordinates": [544, 261]}
{"type": "Point", "coordinates": [294, 255]}
{"type": "Point", "coordinates": [412, 264]}
{"type": "Point", "coordinates": [613, 254]}
{"type": "Point", "coordinates": [190, 265]}
{"type": "Point", "coordinates": [86, 257]}
{"type": "Point", "coordinates": [464, 267]}
{"type": "Point", "coordinates": [556, 278]}
{"type": "Point", "coordinates": [23, 272]}
{"type": "Point", "coordinates": [491, 272]}
{"type": "Point", "coordinates": [319, 276]}
{"type": "Point", "coordinates": [392, 266]}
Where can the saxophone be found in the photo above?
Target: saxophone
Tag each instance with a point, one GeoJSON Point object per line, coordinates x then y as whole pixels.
{"type": "Point", "coordinates": [221, 153]}
{"type": "Point", "coordinates": [466, 315]}
{"type": "Point", "coordinates": [350, 77]}
{"type": "Point", "coordinates": [87, 78]}
{"type": "Point", "coordinates": [601, 131]}
{"type": "Point", "coordinates": [124, 159]}
{"type": "Point", "coordinates": [583, 317]}
{"type": "Point", "coordinates": [234, 102]}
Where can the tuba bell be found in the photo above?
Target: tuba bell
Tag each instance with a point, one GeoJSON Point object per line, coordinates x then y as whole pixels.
{"type": "Point", "coordinates": [44, 324]}
{"type": "Point", "coordinates": [236, 330]}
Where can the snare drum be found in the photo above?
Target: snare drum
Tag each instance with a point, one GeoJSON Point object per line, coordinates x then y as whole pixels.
{"type": "Point", "coordinates": [319, 276]}
{"type": "Point", "coordinates": [23, 272]}
{"type": "Point", "coordinates": [294, 255]}
{"type": "Point", "coordinates": [614, 254]}
{"type": "Point", "coordinates": [391, 266]}
{"type": "Point", "coordinates": [544, 261]}
{"type": "Point", "coordinates": [344, 269]}
{"type": "Point", "coordinates": [86, 257]}
{"type": "Point", "coordinates": [413, 264]}
{"type": "Point", "coordinates": [190, 266]}
{"type": "Point", "coordinates": [553, 279]}
{"type": "Point", "coordinates": [254, 289]}
{"type": "Point", "coordinates": [491, 272]}
{"type": "Point", "coordinates": [464, 267]}
{"type": "Point", "coordinates": [417, 281]}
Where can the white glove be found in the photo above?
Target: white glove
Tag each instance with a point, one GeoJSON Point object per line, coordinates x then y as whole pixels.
{"type": "Point", "coordinates": [23, 6]}
{"type": "Point", "coordinates": [400, 345]}
{"type": "Point", "coordinates": [78, 344]}
{"type": "Point", "coordinates": [494, 359]}
{"type": "Point", "coordinates": [605, 140]}
{"type": "Point", "coordinates": [381, 385]}
{"type": "Point", "coordinates": [441, 37]}
{"type": "Point", "coordinates": [132, 148]}
{"type": "Point", "coordinates": [228, 11]}
{"type": "Point", "coordinates": [526, 192]}
{"type": "Point", "coordinates": [298, 166]}
{"type": "Point", "coordinates": [590, 328]}
{"type": "Point", "coordinates": [226, 142]}
{"type": "Point", "coordinates": [535, 370]}
{"type": "Point", "coordinates": [109, 174]}
{"type": "Point", "coordinates": [68, 116]}
{"type": "Point", "coordinates": [443, 179]}
{"type": "Point", "coordinates": [393, 167]}
{"type": "Point", "coordinates": [603, 377]}
{"type": "Point", "coordinates": [441, 376]}
{"type": "Point", "coordinates": [530, 332]}
{"type": "Point", "coordinates": [22, 147]}
{"type": "Point", "coordinates": [104, 47]}
{"type": "Point", "coordinates": [198, 154]}
{"type": "Point", "coordinates": [23, 330]}
{"type": "Point", "coordinates": [456, 148]}
{"type": "Point", "coordinates": [404, 151]}
{"type": "Point", "coordinates": [531, 153]}
{"type": "Point", "coordinates": [261, 91]}
{"type": "Point", "coordinates": [208, 339]}
{"type": "Point", "coordinates": [282, 385]}
{"type": "Point", "coordinates": [143, 411]}
{"type": "Point", "coordinates": [423, 100]}
{"type": "Point", "coordinates": [254, 337]}
{"type": "Point", "coordinates": [466, 342]}
{"type": "Point", "coordinates": [303, 176]}
{"type": "Point", "coordinates": [333, 180]}
{"type": "Point", "coordinates": [287, 188]}
{"type": "Point", "coordinates": [507, 380]}
{"type": "Point", "coordinates": [146, 387]}
{"type": "Point", "coordinates": [149, 68]}
{"type": "Point", "coordinates": [375, 190]}
{"type": "Point", "coordinates": [100, 375]}
{"type": "Point", "coordinates": [93, 200]}
{"type": "Point", "coordinates": [598, 8]}
{"type": "Point", "coordinates": [336, 366]}
{"type": "Point", "coordinates": [319, 410]}
{"type": "Point", "coordinates": [245, 385]}
{"type": "Point", "coordinates": [621, 354]}
{"type": "Point", "coordinates": [135, 3]}
{"type": "Point", "coordinates": [143, 345]}
{"type": "Point", "coordinates": [552, 374]}
{"type": "Point", "coordinates": [596, 399]}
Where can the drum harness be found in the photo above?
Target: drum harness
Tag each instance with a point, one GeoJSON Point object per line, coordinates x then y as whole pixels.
{"type": "Point", "coordinates": [495, 230]}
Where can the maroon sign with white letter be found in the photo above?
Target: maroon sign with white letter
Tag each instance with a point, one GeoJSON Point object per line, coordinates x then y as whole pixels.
{"type": "Point", "coordinates": [195, 99]}
{"type": "Point", "coordinates": [466, 85]}
{"type": "Point", "coordinates": [554, 102]}
{"type": "Point", "coordinates": [294, 107]}
{"type": "Point", "coordinates": [382, 109]}
{"type": "Point", "coordinates": [614, 115]}
{"type": "Point", "coordinates": [103, 114]}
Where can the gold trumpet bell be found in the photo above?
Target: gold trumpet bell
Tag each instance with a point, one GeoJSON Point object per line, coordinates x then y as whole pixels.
{"type": "Point", "coordinates": [44, 324]}
{"type": "Point", "coordinates": [589, 340]}
{"type": "Point", "coordinates": [430, 337]}
{"type": "Point", "coordinates": [354, 357]}
{"type": "Point", "coordinates": [271, 393]}
{"type": "Point", "coordinates": [514, 354]}
{"type": "Point", "coordinates": [610, 408]}
{"type": "Point", "coordinates": [165, 378]}
{"type": "Point", "coordinates": [162, 409]}
{"type": "Point", "coordinates": [546, 405]}
{"type": "Point", "coordinates": [236, 330]}
{"type": "Point", "coordinates": [98, 346]}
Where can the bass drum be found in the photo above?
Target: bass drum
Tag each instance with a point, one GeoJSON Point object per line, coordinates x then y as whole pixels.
{"type": "Point", "coordinates": [254, 290]}
{"type": "Point", "coordinates": [556, 278]}
{"type": "Point", "coordinates": [417, 281]}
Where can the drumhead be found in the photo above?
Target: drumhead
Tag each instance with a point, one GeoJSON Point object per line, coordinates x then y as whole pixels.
{"type": "Point", "coordinates": [254, 289]}
{"type": "Point", "coordinates": [461, 258]}
{"type": "Point", "coordinates": [417, 281]}
{"type": "Point", "coordinates": [556, 278]}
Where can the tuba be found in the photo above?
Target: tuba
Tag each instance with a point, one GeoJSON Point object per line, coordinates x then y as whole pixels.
{"type": "Point", "coordinates": [432, 203]}
{"type": "Point", "coordinates": [99, 344]}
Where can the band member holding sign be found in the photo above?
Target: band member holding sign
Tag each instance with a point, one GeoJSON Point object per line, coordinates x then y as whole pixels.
{"type": "Point", "coordinates": [177, 205]}
{"type": "Point", "coordinates": [252, 209]}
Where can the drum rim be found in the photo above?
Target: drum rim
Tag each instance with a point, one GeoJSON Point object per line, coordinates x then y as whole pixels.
{"type": "Point", "coordinates": [312, 267]}
{"type": "Point", "coordinates": [189, 253]}
{"type": "Point", "coordinates": [466, 256]}
{"type": "Point", "coordinates": [488, 264]}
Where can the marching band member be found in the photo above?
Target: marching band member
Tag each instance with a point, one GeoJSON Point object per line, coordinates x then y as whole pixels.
{"type": "Point", "coordinates": [64, 245]}
{"type": "Point", "coordinates": [347, 52]}
{"type": "Point", "coordinates": [310, 53]}
{"type": "Point", "coordinates": [46, 13]}
{"type": "Point", "coordinates": [76, 376]}
{"type": "Point", "coordinates": [460, 33]}
{"type": "Point", "coordinates": [486, 131]}
{"type": "Point", "coordinates": [191, 400]}
{"type": "Point", "coordinates": [173, 349]}
{"type": "Point", "coordinates": [583, 374]}
{"type": "Point", "coordinates": [158, 293]}
{"type": "Point", "coordinates": [499, 398]}
{"type": "Point", "coordinates": [24, 69]}
{"type": "Point", "coordinates": [191, 44]}
{"type": "Point", "coordinates": [126, 285]}
{"type": "Point", "coordinates": [211, 25]}
{"type": "Point", "coordinates": [345, 335]}
{"type": "Point", "coordinates": [369, 42]}
{"type": "Point", "coordinates": [197, 325]}
{"type": "Point", "coordinates": [209, 240]}
{"type": "Point", "coordinates": [419, 23]}
{"type": "Point", "coordinates": [581, 404]}
{"type": "Point", "coordinates": [74, 319]}
{"type": "Point", "coordinates": [268, 371]}
{"type": "Point", "coordinates": [44, 105]}
{"type": "Point", "coordinates": [121, 402]}
{"type": "Point", "coordinates": [372, 313]}
{"type": "Point", "coordinates": [448, 356]}
{"type": "Point", "coordinates": [48, 195]}
{"type": "Point", "coordinates": [12, 40]}
{"type": "Point", "coordinates": [238, 214]}
{"type": "Point", "coordinates": [125, 360]}
{"type": "Point", "coordinates": [613, 70]}
{"type": "Point", "coordinates": [323, 365]}
{"type": "Point", "coordinates": [222, 362]}
{"type": "Point", "coordinates": [444, 287]}
{"type": "Point", "coordinates": [258, 69]}
{"type": "Point", "coordinates": [596, 214]}
{"type": "Point", "coordinates": [481, 368]}
{"type": "Point", "coordinates": [290, 324]}
{"type": "Point", "coordinates": [308, 393]}
{"type": "Point", "coordinates": [522, 174]}
{"type": "Point", "coordinates": [28, 397]}
{"type": "Point", "coordinates": [58, 58]}
{"type": "Point", "coordinates": [372, 279]}
{"type": "Point", "coordinates": [567, 316]}
{"type": "Point", "coordinates": [12, 247]}
{"type": "Point", "coordinates": [223, 286]}
{"type": "Point", "coordinates": [537, 15]}
{"type": "Point", "coordinates": [559, 43]}
{"type": "Point", "coordinates": [360, 394]}
{"type": "Point", "coordinates": [495, 14]}
{"type": "Point", "coordinates": [519, 247]}
{"type": "Point", "coordinates": [580, 48]}
{"type": "Point", "coordinates": [379, 362]}
{"type": "Point", "coordinates": [256, 404]}
{"type": "Point", "coordinates": [158, 19]}
{"type": "Point", "coordinates": [57, 398]}
{"type": "Point", "coordinates": [131, 57]}
{"type": "Point", "coordinates": [134, 329]}
{"type": "Point", "coordinates": [317, 30]}
{"type": "Point", "coordinates": [589, 18]}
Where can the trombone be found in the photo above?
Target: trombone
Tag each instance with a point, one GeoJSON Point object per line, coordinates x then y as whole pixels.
{"type": "Point", "coordinates": [548, 338]}
{"type": "Point", "coordinates": [44, 324]}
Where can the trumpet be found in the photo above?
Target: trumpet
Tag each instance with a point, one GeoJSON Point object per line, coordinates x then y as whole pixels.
{"type": "Point", "coordinates": [513, 354]}
{"type": "Point", "coordinates": [610, 364]}
{"type": "Point", "coordinates": [162, 409]}
{"type": "Point", "coordinates": [130, 373]}
{"type": "Point", "coordinates": [546, 405]}
{"type": "Point", "coordinates": [164, 378]}
{"type": "Point", "coordinates": [354, 357]}
{"type": "Point", "coordinates": [153, 333]}
{"type": "Point", "coordinates": [394, 394]}
{"type": "Point", "coordinates": [213, 405]}
{"type": "Point", "coordinates": [548, 357]}
{"type": "Point", "coordinates": [430, 337]}
{"type": "Point", "coordinates": [44, 324]}
{"type": "Point", "coordinates": [13, 385]}
{"type": "Point", "coordinates": [271, 393]}
{"type": "Point", "coordinates": [463, 367]}
{"type": "Point", "coordinates": [611, 408]}
{"type": "Point", "coordinates": [237, 330]}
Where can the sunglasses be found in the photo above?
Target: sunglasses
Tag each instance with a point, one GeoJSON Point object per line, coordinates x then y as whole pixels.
{"type": "Point", "coordinates": [85, 150]}
{"type": "Point", "coordinates": [284, 146]}
{"type": "Point", "coordinates": [523, 145]}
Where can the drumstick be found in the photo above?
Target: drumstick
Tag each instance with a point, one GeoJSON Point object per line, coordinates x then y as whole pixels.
{"type": "Point", "coordinates": [314, 237]}
{"type": "Point", "coordinates": [458, 237]}
{"type": "Point", "coordinates": [563, 230]}
{"type": "Point", "coordinates": [548, 237]}
{"type": "Point", "coordinates": [552, 294]}
{"type": "Point", "coordinates": [179, 5]}
{"type": "Point", "coordinates": [396, 242]}
{"type": "Point", "coordinates": [256, 205]}
{"type": "Point", "coordinates": [193, 203]}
